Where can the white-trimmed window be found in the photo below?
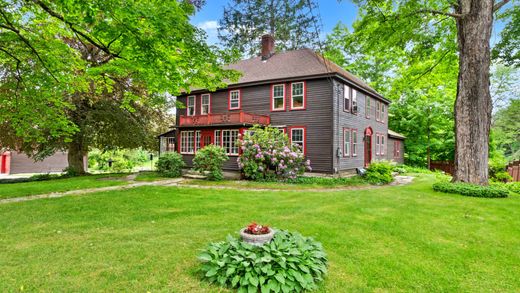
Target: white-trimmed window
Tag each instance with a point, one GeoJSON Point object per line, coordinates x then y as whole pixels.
{"type": "Point", "coordinates": [354, 143]}
{"type": "Point", "coordinates": [229, 141]}
{"type": "Point", "coordinates": [217, 137]}
{"type": "Point", "coordinates": [346, 142]}
{"type": "Point", "coordinates": [234, 100]}
{"type": "Point", "coordinates": [378, 111]}
{"type": "Point", "coordinates": [197, 140]}
{"type": "Point", "coordinates": [278, 94]}
{"type": "Point", "coordinates": [383, 145]}
{"type": "Point", "coordinates": [382, 118]}
{"type": "Point", "coordinates": [378, 145]}
{"type": "Point", "coordinates": [298, 137]}
{"type": "Point", "coordinates": [298, 95]}
{"type": "Point", "coordinates": [187, 142]}
{"type": "Point", "coordinates": [205, 102]}
{"type": "Point", "coordinates": [367, 107]}
{"type": "Point", "coordinates": [354, 101]}
{"type": "Point", "coordinates": [191, 106]}
{"type": "Point", "coordinates": [346, 98]}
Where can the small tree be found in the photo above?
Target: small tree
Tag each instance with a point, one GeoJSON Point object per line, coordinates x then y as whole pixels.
{"type": "Point", "coordinates": [210, 160]}
{"type": "Point", "coordinates": [267, 154]}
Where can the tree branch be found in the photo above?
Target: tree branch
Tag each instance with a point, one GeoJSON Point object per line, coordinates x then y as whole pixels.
{"type": "Point", "coordinates": [432, 67]}
{"type": "Point", "coordinates": [432, 11]}
{"type": "Point", "coordinates": [499, 5]}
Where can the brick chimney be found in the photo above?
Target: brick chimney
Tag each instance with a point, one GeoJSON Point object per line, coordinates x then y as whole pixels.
{"type": "Point", "coordinates": [267, 46]}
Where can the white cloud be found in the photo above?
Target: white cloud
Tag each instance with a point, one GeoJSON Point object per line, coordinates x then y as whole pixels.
{"type": "Point", "coordinates": [208, 25]}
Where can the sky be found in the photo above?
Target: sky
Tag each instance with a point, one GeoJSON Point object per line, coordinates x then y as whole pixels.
{"type": "Point", "coordinates": [331, 12]}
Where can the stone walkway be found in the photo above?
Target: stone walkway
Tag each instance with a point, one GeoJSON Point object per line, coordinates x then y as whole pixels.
{"type": "Point", "coordinates": [399, 180]}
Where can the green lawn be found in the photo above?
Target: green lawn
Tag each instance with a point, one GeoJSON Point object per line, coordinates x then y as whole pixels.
{"type": "Point", "coordinates": [402, 238]}
{"type": "Point", "coordinates": [9, 190]}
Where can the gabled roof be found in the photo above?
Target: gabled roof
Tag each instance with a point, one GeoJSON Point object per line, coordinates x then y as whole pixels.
{"type": "Point", "coordinates": [293, 64]}
{"type": "Point", "coordinates": [394, 134]}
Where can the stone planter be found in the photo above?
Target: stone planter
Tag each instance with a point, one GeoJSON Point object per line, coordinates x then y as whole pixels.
{"type": "Point", "coordinates": [257, 240]}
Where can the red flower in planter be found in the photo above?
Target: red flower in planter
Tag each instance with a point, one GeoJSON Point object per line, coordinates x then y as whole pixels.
{"type": "Point", "coordinates": [256, 229]}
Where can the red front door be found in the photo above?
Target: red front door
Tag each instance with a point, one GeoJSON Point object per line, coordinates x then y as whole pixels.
{"type": "Point", "coordinates": [206, 137]}
{"type": "Point", "coordinates": [3, 164]}
{"type": "Point", "coordinates": [368, 146]}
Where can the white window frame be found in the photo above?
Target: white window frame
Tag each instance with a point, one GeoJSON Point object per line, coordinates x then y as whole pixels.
{"type": "Point", "coordinates": [236, 99]}
{"type": "Point", "coordinates": [346, 144]}
{"type": "Point", "coordinates": [383, 141]}
{"type": "Point", "coordinates": [202, 104]}
{"type": "Point", "coordinates": [273, 98]}
{"type": "Point", "coordinates": [217, 137]}
{"type": "Point", "coordinates": [382, 114]}
{"type": "Point", "coordinates": [347, 96]}
{"type": "Point", "coordinates": [303, 136]}
{"type": "Point", "coordinates": [377, 145]}
{"type": "Point", "coordinates": [367, 107]}
{"type": "Point", "coordinates": [232, 148]}
{"type": "Point", "coordinates": [378, 111]}
{"type": "Point", "coordinates": [354, 106]}
{"type": "Point", "coordinates": [302, 95]}
{"type": "Point", "coordinates": [187, 142]}
{"type": "Point", "coordinates": [193, 107]}
{"type": "Point", "coordinates": [354, 139]}
{"type": "Point", "coordinates": [197, 140]}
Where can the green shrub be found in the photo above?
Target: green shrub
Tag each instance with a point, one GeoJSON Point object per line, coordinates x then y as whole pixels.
{"type": "Point", "coordinates": [511, 186]}
{"type": "Point", "coordinates": [267, 154]}
{"type": "Point", "coordinates": [289, 263]}
{"type": "Point", "coordinates": [412, 169]}
{"type": "Point", "coordinates": [209, 160]}
{"type": "Point", "coordinates": [470, 189]}
{"type": "Point", "coordinates": [379, 172]}
{"type": "Point", "coordinates": [501, 176]}
{"type": "Point", "coordinates": [170, 165]}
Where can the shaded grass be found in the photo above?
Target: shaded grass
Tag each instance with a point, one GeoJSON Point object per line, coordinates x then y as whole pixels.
{"type": "Point", "coordinates": [10, 190]}
{"type": "Point", "coordinates": [402, 238]}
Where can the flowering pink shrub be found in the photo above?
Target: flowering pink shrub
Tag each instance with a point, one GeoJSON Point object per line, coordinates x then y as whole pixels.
{"type": "Point", "coordinates": [267, 154]}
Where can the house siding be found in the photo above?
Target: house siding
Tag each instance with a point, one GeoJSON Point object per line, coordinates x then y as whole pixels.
{"type": "Point", "coordinates": [390, 154]}
{"type": "Point", "coordinates": [316, 117]}
{"type": "Point", "coordinates": [357, 121]}
{"type": "Point", "coordinates": [21, 163]}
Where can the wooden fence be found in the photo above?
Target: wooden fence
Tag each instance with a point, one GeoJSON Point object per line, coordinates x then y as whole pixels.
{"type": "Point", "coordinates": [514, 170]}
{"type": "Point", "coordinates": [446, 166]}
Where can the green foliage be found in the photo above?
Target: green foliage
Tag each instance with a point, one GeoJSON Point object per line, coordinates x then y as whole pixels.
{"type": "Point", "coordinates": [506, 129]}
{"type": "Point", "coordinates": [379, 172]}
{"type": "Point", "coordinates": [268, 155]}
{"type": "Point", "coordinates": [497, 167]}
{"type": "Point", "coordinates": [289, 263]}
{"type": "Point", "coordinates": [511, 186]}
{"type": "Point", "coordinates": [123, 160]}
{"type": "Point", "coordinates": [100, 73]}
{"type": "Point", "coordinates": [38, 177]}
{"type": "Point", "coordinates": [506, 49]}
{"type": "Point", "coordinates": [290, 22]}
{"type": "Point", "coordinates": [327, 181]}
{"type": "Point", "coordinates": [209, 160]}
{"type": "Point", "coordinates": [170, 165]}
{"type": "Point", "coordinates": [470, 189]}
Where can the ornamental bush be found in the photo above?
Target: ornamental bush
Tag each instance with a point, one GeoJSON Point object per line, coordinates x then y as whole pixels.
{"type": "Point", "coordinates": [511, 186]}
{"type": "Point", "coordinates": [289, 263]}
{"type": "Point", "coordinates": [170, 165]}
{"type": "Point", "coordinates": [471, 189]}
{"type": "Point", "coordinates": [209, 160]}
{"type": "Point", "coordinates": [267, 154]}
{"type": "Point", "coordinates": [379, 172]}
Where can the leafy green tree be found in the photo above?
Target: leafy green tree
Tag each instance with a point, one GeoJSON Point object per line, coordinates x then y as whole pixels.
{"type": "Point", "coordinates": [405, 29]}
{"type": "Point", "coordinates": [508, 47]}
{"type": "Point", "coordinates": [77, 74]}
{"type": "Point", "coordinates": [291, 22]}
{"type": "Point", "coordinates": [506, 130]}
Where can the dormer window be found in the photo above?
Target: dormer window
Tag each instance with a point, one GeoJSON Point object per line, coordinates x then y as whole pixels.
{"type": "Point", "coordinates": [234, 100]}
{"type": "Point", "coordinates": [205, 102]}
{"type": "Point", "coordinates": [346, 98]}
{"type": "Point", "coordinates": [297, 95]}
{"type": "Point", "coordinates": [278, 97]}
{"type": "Point", "coordinates": [191, 106]}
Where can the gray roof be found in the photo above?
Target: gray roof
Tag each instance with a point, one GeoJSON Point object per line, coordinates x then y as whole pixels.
{"type": "Point", "coordinates": [293, 64]}
{"type": "Point", "coordinates": [394, 134]}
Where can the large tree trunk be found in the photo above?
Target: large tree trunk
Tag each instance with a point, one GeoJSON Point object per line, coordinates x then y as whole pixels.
{"type": "Point", "coordinates": [473, 105]}
{"type": "Point", "coordinates": [76, 156]}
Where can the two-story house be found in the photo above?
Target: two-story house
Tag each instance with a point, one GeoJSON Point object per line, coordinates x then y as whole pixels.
{"type": "Point", "coordinates": [340, 122]}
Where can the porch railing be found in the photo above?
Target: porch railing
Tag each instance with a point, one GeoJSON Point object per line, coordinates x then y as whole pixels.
{"type": "Point", "coordinates": [224, 118]}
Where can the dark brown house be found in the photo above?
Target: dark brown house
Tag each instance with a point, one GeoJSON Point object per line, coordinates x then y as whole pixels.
{"type": "Point", "coordinates": [340, 122]}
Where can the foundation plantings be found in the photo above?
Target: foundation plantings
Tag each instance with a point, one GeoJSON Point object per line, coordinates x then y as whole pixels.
{"type": "Point", "coordinates": [289, 262]}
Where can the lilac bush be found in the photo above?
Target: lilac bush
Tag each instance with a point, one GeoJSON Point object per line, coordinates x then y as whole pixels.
{"type": "Point", "coordinates": [267, 154]}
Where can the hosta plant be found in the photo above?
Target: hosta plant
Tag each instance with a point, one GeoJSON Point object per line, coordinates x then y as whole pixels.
{"type": "Point", "coordinates": [289, 263]}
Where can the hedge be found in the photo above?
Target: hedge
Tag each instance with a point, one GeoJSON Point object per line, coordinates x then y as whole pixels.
{"type": "Point", "coordinates": [471, 190]}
